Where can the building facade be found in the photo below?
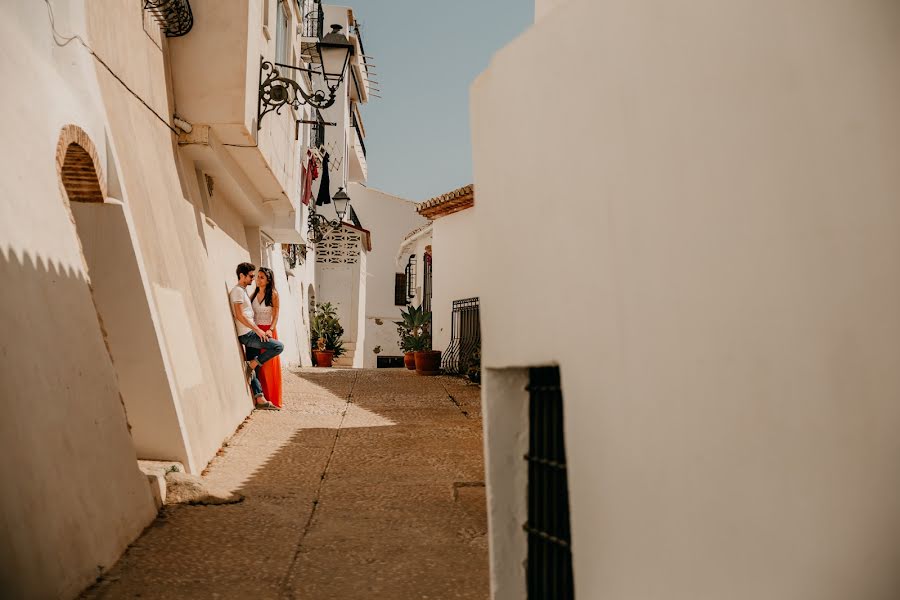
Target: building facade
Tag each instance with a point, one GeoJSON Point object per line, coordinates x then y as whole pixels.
{"type": "Point", "coordinates": [454, 261]}
{"type": "Point", "coordinates": [693, 281]}
{"type": "Point", "coordinates": [392, 218]}
{"type": "Point", "coordinates": [137, 178]}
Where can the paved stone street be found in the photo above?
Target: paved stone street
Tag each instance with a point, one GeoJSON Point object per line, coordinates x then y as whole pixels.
{"type": "Point", "coordinates": [369, 484]}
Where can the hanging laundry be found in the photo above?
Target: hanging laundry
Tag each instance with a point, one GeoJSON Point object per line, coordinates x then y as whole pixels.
{"type": "Point", "coordinates": [324, 196]}
{"type": "Point", "coordinates": [309, 171]}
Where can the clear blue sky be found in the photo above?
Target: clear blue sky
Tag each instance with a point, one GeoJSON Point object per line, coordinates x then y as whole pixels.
{"type": "Point", "coordinates": [427, 53]}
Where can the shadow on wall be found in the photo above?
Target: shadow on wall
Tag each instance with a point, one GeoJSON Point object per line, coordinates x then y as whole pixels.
{"type": "Point", "coordinates": [66, 448]}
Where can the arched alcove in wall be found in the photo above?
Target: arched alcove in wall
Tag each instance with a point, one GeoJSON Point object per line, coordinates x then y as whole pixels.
{"type": "Point", "coordinates": [119, 291]}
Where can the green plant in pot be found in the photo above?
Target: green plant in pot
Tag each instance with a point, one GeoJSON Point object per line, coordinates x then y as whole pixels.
{"type": "Point", "coordinates": [326, 332]}
{"type": "Point", "coordinates": [412, 333]}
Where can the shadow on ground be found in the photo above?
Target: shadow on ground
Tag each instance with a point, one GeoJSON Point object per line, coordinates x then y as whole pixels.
{"type": "Point", "coordinates": [365, 486]}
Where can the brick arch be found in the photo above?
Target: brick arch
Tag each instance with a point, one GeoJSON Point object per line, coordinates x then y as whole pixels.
{"type": "Point", "coordinates": [78, 166]}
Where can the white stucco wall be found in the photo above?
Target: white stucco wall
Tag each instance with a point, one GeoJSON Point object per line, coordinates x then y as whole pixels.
{"type": "Point", "coordinates": [74, 497]}
{"type": "Point", "coordinates": [340, 281]}
{"type": "Point", "coordinates": [456, 262]}
{"type": "Point", "coordinates": [121, 295]}
{"type": "Point", "coordinates": [193, 308]}
{"type": "Point", "coordinates": [719, 285]}
{"type": "Point", "coordinates": [160, 264]}
{"type": "Point", "coordinates": [389, 218]}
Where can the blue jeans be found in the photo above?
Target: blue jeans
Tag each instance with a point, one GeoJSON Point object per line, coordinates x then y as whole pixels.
{"type": "Point", "coordinates": [262, 352]}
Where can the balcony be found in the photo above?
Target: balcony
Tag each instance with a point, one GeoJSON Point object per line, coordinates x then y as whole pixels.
{"type": "Point", "coordinates": [312, 29]}
{"type": "Point", "coordinates": [359, 80]}
{"type": "Point", "coordinates": [359, 168]}
{"type": "Point", "coordinates": [216, 79]}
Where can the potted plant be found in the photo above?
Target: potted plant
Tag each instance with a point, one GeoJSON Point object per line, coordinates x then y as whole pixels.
{"type": "Point", "coordinates": [428, 361]}
{"type": "Point", "coordinates": [326, 332]}
{"type": "Point", "coordinates": [412, 333]}
{"type": "Point", "coordinates": [418, 341]}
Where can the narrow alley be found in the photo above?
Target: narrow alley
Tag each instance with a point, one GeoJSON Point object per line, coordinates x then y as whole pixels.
{"type": "Point", "coordinates": [369, 484]}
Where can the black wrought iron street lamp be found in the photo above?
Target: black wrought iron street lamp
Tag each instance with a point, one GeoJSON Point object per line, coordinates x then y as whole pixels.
{"type": "Point", "coordinates": [276, 91]}
{"type": "Point", "coordinates": [319, 226]}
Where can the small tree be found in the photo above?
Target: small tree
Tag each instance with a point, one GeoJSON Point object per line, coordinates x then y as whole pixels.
{"type": "Point", "coordinates": [326, 330]}
{"type": "Point", "coordinates": [413, 329]}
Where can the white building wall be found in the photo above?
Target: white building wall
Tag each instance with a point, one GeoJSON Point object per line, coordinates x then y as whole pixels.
{"type": "Point", "coordinates": [456, 262]}
{"type": "Point", "coordinates": [74, 497]}
{"type": "Point", "coordinates": [193, 309]}
{"type": "Point", "coordinates": [389, 218]}
{"type": "Point", "coordinates": [340, 272]}
{"type": "Point", "coordinates": [159, 255]}
{"type": "Point", "coordinates": [719, 287]}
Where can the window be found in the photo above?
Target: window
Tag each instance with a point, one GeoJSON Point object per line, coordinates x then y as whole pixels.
{"type": "Point", "coordinates": [549, 567]}
{"type": "Point", "coordinates": [283, 34]}
{"type": "Point", "coordinates": [411, 277]}
{"type": "Point", "coordinates": [400, 289]}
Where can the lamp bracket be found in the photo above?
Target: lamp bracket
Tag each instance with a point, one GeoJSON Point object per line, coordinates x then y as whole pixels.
{"type": "Point", "coordinates": [276, 92]}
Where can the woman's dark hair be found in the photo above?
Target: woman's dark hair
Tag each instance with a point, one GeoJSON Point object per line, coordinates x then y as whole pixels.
{"type": "Point", "coordinates": [270, 286]}
{"type": "Point", "coordinates": [244, 268]}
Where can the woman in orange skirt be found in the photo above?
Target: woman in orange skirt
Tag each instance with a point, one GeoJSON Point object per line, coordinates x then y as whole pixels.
{"type": "Point", "coordinates": [265, 313]}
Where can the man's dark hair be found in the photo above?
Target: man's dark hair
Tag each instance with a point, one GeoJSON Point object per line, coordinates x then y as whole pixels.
{"type": "Point", "coordinates": [244, 268]}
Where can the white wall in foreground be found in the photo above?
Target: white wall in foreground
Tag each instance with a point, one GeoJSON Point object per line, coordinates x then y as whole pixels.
{"type": "Point", "coordinates": [720, 286]}
{"type": "Point", "coordinates": [73, 496]}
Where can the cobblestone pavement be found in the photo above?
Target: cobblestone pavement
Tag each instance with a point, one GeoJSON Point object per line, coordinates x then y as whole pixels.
{"type": "Point", "coordinates": [367, 485]}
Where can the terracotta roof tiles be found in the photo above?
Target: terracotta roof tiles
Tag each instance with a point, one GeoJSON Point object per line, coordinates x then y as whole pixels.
{"type": "Point", "coordinates": [449, 203]}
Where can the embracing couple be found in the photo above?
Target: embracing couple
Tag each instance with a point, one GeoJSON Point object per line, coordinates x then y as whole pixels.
{"type": "Point", "coordinates": [255, 316]}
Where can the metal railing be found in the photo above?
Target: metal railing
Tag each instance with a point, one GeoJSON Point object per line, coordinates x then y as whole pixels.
{"type": "Point", "coordinates": [313, 19]}
{"type": "Point", "coordinates": [465, 336]}
{"type": "Point", "coordinates": [174, 16]}
{"type": "Point", "coordinates": [359, 135]}
{"type": "Point", "coordinates": [362, 50]}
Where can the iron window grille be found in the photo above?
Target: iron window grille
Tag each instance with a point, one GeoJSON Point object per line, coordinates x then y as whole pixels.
{"type": "Point", "coordinates": [294, 254]}
{"type": "Point", "coordinates": [549, 566]}
{"type": "Point", "coordinates": [426, 282]}
{"type": "Point", "coordinates": [465, 336]}
{"type": "Point", "coordinates": [411, 277]}
{"type": "Point", "coordinates": [317, 131]}
{"type": "Point", "coordinates": [399, 289]}
{"type": "Point", "coordinates": [174, 16]}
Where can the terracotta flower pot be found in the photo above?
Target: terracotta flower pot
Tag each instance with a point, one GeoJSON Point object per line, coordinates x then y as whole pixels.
{"type": "Point", "coordinates": [428, 362]}
{"type": "Point", "coordinates": [409, 360]}
{"type": "Point", "coordinates": [324, 357]}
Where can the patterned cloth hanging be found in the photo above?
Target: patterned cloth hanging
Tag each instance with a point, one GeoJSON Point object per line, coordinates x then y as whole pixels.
{"type": "Point", "coordinates": [309, 171]}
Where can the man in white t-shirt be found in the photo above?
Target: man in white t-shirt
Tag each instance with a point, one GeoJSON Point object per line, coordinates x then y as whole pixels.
{"type": "Point", "coordinates": [261, 348]}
